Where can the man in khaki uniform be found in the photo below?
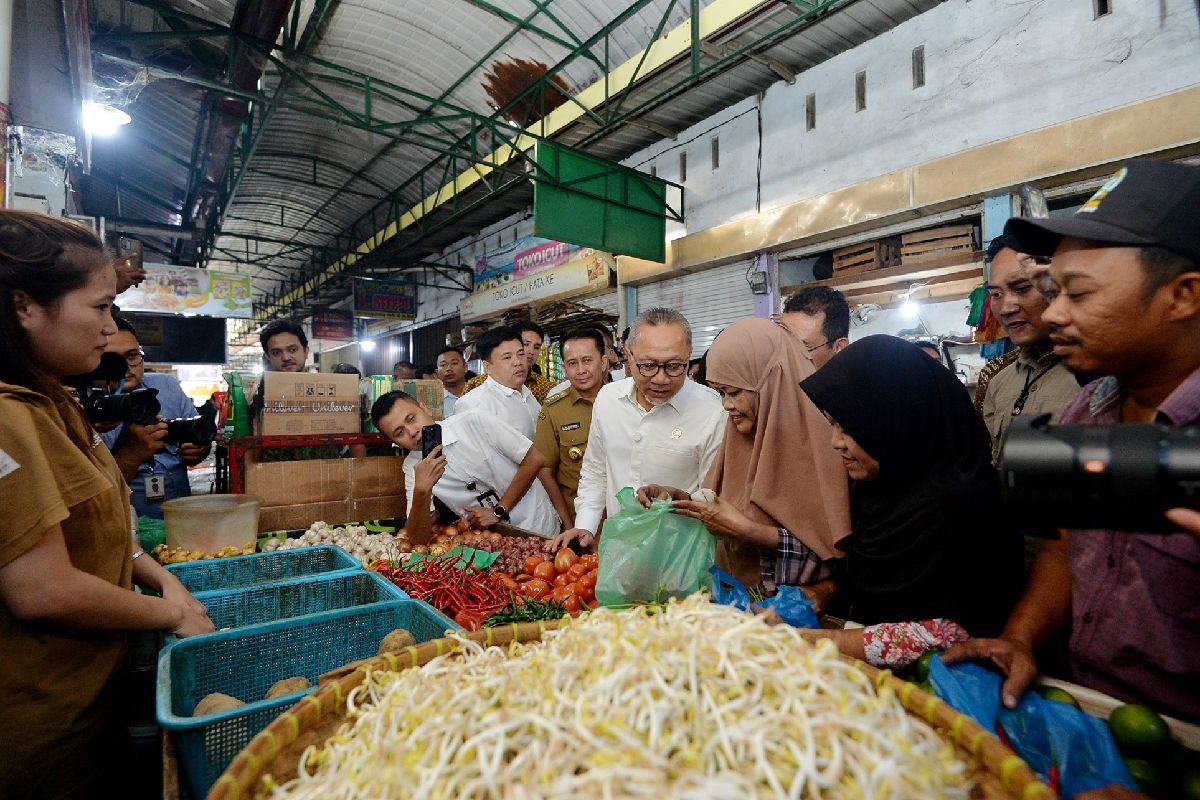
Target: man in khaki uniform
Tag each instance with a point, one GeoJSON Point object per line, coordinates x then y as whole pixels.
{"type": "Point", "coordinates": [1035, 381]}
{"type": "Point", "coordinates": [562, 427]}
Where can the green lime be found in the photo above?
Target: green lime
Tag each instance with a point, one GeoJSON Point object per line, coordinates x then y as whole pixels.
{"type": "Point", "coordinates": [921, 667]}
{"type": "Point", "coordinates": [1189, 785]}
{"type": "Point", "coordinates": [1137, 730]}
{"type": "Point", "coordinates": [1147, 776]}
{"type": "Point", "coordinates": [1059, 696]}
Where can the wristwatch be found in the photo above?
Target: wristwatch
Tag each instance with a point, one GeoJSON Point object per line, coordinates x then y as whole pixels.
{"type": "Point", "coordinates": [501, 512]}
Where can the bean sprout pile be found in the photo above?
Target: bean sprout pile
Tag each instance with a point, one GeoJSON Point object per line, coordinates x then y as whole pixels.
{"type": "Point", "coordinates": [692, 701]}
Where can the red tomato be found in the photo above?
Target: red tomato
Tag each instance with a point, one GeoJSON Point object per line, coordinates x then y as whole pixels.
{"type": "Point", "coordinates": [577, 571]}
{"type": "Point", "coordinates": [536, 588]}
{"type": "Point", "coordinates": [559, 594]}
{"type": "Point", "coordinates": [532, 562]}
{"type": "Point", "coordinates": [562, 580]}
{"type": "Point", "coordinates": [523, 578]}
{"type": "Point", "coordinates": [572, 604]}
{"type": "Point", "coordinates": [591, 560]}
{"type": "Point", "coordinates": [564, 560]}
{"type": "Point", "coordinates": [545, 571]}
{"type": "Point", "coordinates": [509, 583]}
{"type": "Point", "coordinates": [588, 581]}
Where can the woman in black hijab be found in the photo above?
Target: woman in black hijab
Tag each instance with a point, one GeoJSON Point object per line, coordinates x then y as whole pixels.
{"type": "Point", "coordinates": [930, 546]}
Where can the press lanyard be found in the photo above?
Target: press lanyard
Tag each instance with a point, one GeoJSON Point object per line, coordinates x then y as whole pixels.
{"type": "Point", "coordinates": [1023, 398]}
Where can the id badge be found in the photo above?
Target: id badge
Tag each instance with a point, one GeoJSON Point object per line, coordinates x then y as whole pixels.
{"type": "Point", "coordinates": [156, 487]}
{"type": "Point", "coordinates": [488, 499]}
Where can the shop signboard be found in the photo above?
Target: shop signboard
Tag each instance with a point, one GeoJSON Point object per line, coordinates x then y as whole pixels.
{"type": "Point", "coordinates": [331, 323]}
{"type": "Point", "coordinates": [586, 271]}
{"type": "Point", "coordinates": [520, 258]}
{"type": "Point", "coordinates": [186, 290]}
{"type": "Point", "coordinates": [385, 299]}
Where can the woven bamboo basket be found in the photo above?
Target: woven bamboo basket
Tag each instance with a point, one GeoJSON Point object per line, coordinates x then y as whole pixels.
{"type": "Point", "coordinates": [995, 771]}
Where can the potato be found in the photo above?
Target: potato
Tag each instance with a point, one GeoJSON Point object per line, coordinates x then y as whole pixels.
{"type": "Point", "coordinates": [396, 641]}
{"type": "Point", "coordinates": [212, 703]}
{"type": "Point", "coordinates": [287, 686]}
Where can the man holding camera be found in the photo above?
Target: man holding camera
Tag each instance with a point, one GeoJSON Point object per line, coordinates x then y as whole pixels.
{"type": "Point", "coordinates": [155, 471]}
{"type": "Point", "coordinates": [1126, 304]}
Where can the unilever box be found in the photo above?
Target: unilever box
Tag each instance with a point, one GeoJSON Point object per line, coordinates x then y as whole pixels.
{"type": "Point", "coordinates": [302, 403]}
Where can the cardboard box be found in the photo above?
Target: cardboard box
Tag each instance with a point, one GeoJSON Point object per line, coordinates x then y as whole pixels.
{"type": "Point", "coordinates": [300, 403]}
{"type": "Point", "coordinates": [296, 494]}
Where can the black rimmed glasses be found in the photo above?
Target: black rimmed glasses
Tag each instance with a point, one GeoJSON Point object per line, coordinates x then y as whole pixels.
{"type": "Point", "coordinates": [134, 357]}
{"type": "Point", "coordinates": [649, 369]}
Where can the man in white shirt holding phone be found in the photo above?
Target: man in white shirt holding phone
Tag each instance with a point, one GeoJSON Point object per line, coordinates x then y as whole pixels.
{"type": "Point", "coordinates": [482, 470]}
{"type": "Point", "coordinates": [656, 427]}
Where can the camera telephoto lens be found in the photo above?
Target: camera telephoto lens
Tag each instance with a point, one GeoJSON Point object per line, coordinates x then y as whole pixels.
{"type": "Point", "coordinates": [191, 430]}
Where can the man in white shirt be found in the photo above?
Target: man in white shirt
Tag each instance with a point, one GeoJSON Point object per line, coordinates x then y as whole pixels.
{"type": "Point", "coordinates": [483, 470]}
{"type": "Point", "coordinates": [452, 372]}
{"type": "Point", "coordinates": [653, 428]}
{"type": "Point", "coordinates": [504, 394]}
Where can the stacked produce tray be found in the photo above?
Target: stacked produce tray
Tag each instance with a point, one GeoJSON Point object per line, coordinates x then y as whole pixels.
{"type": "Point", "coordinates": [244, 663]}
{"type": "Point", "coordinates": [220, 574]}
{"type": "Point", "coordinates": [255, 605]}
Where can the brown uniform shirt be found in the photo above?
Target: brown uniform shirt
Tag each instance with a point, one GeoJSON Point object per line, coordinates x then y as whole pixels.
{"type": "Point", "coordinates": [56, 698]}
{"type": "Point", "coordinates": [538, 385]}
{"type": "Point", "coordinates": [561, 437]}
{"type": "Point", "coordinates": [1047, 387]}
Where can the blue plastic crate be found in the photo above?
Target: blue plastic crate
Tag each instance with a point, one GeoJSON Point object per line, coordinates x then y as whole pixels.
{"type": "Point", "coordinates": [240, 571]}
{"type": "Point", "coordinates": [244, 663]}
{"type": "Point", "coordinates": [314, 594]}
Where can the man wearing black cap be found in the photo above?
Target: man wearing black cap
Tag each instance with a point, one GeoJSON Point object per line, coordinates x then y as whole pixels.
{"type": "Point", "coordinates": [1126, 304]}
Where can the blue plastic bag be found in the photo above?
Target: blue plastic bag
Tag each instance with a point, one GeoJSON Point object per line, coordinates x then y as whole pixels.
{"type": "Point", "coordinates": [1080, 746]}
{"type": "Point", "coordinates": [792, 605]}
{"type": "Point", "coordinates": [1069, 750]}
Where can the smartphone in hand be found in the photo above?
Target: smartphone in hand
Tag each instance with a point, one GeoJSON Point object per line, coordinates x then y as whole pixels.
{"type": "Point", "coordinates": [431, 437]}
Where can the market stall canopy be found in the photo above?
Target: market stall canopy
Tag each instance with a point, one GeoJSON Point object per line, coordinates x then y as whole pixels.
{"type": "Point", "coordinates": [308, 142]}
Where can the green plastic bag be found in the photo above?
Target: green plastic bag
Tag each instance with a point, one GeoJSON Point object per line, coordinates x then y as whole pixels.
{"type": "Point", "coordinates": [151, 533]}
{"type": "Point", "coordinates": [648, 555]}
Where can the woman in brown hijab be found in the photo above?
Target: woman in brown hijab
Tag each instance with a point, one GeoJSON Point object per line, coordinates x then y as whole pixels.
{"type": "Point", "coordinates": [782, 499]}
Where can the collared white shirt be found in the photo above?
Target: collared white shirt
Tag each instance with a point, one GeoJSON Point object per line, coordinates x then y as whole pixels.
{"type": "Point", "coordinates": [517, 407]}
{"type": "Point", "coordinates": [674, 444]}
{"type": "Point", "coordinates": [483, 454]}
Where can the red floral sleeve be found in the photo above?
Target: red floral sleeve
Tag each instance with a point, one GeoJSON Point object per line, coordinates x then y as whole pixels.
{"type": "Point", "coordinates": [898, 644]}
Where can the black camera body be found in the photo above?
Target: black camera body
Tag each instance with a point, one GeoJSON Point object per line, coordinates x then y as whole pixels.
{"type": "Point", "coordinates": [1118, 477]}
{"type": "Point", "coordinates": [139, 407]}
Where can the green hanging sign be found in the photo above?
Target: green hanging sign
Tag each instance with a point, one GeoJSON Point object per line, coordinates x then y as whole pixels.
{"type": "Point", "coordinates": [589, 201]}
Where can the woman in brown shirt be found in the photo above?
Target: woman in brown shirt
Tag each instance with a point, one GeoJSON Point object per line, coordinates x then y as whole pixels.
{"type": "Point", "coordinates": [66, 556]}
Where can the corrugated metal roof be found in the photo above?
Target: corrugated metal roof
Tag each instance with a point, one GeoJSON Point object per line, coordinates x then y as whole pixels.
{"type": "Point", "coordinates": [314, 181]}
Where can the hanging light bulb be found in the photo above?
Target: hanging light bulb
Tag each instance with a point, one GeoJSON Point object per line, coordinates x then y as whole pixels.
{"type": "Point", "coordinates": [367, 346]}
{"type": "Point", "coordinates": [102, 120]}
{"type": "Point", "coordinates": [910, 308]}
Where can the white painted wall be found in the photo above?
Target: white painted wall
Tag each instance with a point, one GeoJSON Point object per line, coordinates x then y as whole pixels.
{"type": "Point", "coordinates": [994, 69]}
